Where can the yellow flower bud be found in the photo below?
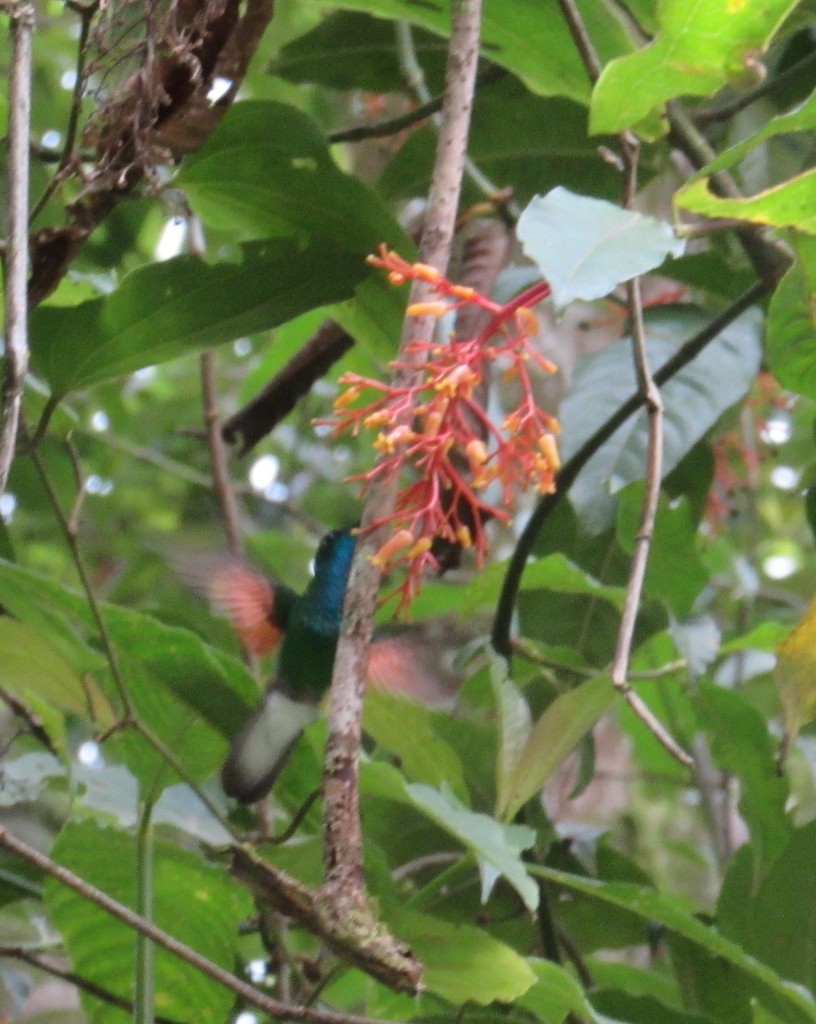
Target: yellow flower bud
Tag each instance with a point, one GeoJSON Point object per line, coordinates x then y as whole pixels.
{"type": "Point", "coordinates": [427, 309]}
{"type": "Point", "coordinates": [549, 449]}
{"type": "Point", "coordinates": [401, 540]}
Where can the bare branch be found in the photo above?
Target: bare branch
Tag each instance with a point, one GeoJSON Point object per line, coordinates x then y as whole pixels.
{"type": "Point", "coordinates": [16, 268]}
{"type": "Point", "coordinates": [652, 400]}
{"type": "Point", "coordinates": [394, 125]}
{"type": "Point", "coordinates": [415, 77]}
{"type": "Point", "coordinates": [344, 889]}
{"type": "Point", "coordinates": [28, 956]}
{"type": "Point", "coordinates": [264, 411]}
{"type": "Point", "coordinates": [178, 949]}
{"type": "Point", "coordinates": [79, 564]}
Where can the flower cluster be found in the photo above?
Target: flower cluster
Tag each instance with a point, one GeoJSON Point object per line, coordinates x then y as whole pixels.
{"type": "Point", "coordinates": [436, 422]}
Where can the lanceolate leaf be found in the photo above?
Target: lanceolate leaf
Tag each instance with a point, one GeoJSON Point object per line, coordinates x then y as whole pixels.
{"type": "Point", "coordinates": [552, 738]}
{"type": "Point", "coordinates": [699, 47]}
{"type": "Point", "coordinates": [694, 400]}
{"type": "Point", "coordinates": [586, 247]}
{"type": "Point", "coordinates": [30, 666]}
{"type": "Point", "coordinates": [184, 305]}
{"type": "Point", "coordinates": [801, 119]}
{"type": "Point", "coordinates": [515, 724]}
{"type": "Point", "coordinates": [792, 1002]}
{"type": "Point", "coordinates": [773, 916]}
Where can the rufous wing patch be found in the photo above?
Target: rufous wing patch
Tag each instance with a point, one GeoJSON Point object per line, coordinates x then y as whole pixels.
{"type": "Point", "coordinates": [247, 599]}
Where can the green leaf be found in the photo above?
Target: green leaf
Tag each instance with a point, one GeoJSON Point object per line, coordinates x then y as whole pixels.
{"type": "Point", "coordinates": [694, 400]}
{"type": "Point", "coordinates": [282, 181]}
{"type": "Point", "coordinates": [742, 747]}
{"type": "Point", "coordinates": [699, 47]}
{"type": "Point", "coordinates": [190, 695]}
{"type": "Point", "coordinates": [552, 738]}
{"type": "Point", "coordinates": [791, 331]}
{"type": "Point", "coordinates": [775, 919]}
{"type": "Point", "coordinates": [801, 119]}
{"type": "Point", "coordinates": [364, 55]}
{"type": "Point", "coordinates": [789, 205]}
{"type": "Point", "coordinates": [462, 962]}
{"type": "Point", "coordinates": [675, 573]}
{"type": "Point", "coordinates": [184, 305]}
{"type": "Point", "coordinates": [515, 723]}
{"type": "Point", "coordinates": [497, 847]}
{"type": "Point", "coordinates": [556, 994]}
{"type": "Point", "coordinates": [374, 316]}
{"type": "Point", "coordinates": [793, 1002]}
{"type": "Point", "coordinates": [195, 902]}
{"type": "Point", "coordinates": [586, 247]}
{"type": "Point", "coordinates": [767, 636]}
{"type": "Point", "coordinates": [30, 665]}
{"type": "Point", "coordinates": [407, 729]}
{"type": "Point", "coordinates": [554, 572]}
{"type": "Point", "coordinates": [516, 42]}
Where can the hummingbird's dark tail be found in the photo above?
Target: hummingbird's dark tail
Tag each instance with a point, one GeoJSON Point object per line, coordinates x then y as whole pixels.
{"type": "Point", "coordinates": [261, 747]}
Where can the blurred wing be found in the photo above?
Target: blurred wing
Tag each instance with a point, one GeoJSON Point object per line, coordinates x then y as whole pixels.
{"type": "Point", "coordinates": [261, 747]}
{"type": "Point", "coordinates": [256, 608]}
{"type": "Point", "coordinates": [406, 664]}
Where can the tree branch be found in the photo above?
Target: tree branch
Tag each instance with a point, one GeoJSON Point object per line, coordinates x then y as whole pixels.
{"type": "Point", "coordinates": [28, 956]}
{"type": "Point", "coordinates": [16, 262]}
{"type": "Point", "coordinates": [178, 949]}
{"type": "Point", "coordinates": [344, 891]}
{"type": "Point", "coordinates": [394, 125]}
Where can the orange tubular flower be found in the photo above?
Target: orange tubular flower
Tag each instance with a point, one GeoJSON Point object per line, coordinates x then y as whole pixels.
{"type": "Point", "coordinates": [437, 427]}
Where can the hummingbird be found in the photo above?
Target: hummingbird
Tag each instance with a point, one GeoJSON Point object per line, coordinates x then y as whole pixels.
{"type": "Point", "coordinates": [305, 627]}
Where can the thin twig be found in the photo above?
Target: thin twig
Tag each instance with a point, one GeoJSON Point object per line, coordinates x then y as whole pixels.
{"type": "Point", "coordinates": [567, 475]}
{"type": "Point", "coordinates": [580, 37]}
{"type": "Point", "coordinates": [86, 14]}
{"type": "Point", "coordinates": [96, 611]}
{"type": "Point", "coordinates": [178, 949]}
{"type": "Point", "coordinates": [36, 726]}
{"type": "Point", "coordinates": [394, 125]}
{"type": "Point", "coordinates": [651, 398]}
{"type": "Point", "coordinates": [415, 77]}
{"type": "Point", "coordinates": [79, 478]}
{"type": "Point", "coordinates": [168, 755]}
{"type": "Point", "coordinates": [793, 75]}
{"type": "Point", "coordinates": [28, 956]}
{"type": "Point", "coordinates": [16, 268]}
{"type": "Point", "coordinates": [221, 482]}
{"type": "Point", "coordinates": [344, 888]}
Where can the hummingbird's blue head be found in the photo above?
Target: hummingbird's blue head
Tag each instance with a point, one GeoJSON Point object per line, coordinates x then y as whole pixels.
{"type": "Point", "coordinates": [332, 566]}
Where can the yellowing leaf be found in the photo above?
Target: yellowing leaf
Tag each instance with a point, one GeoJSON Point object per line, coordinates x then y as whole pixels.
{"type": "Point", "coordinates": [795, 675]}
